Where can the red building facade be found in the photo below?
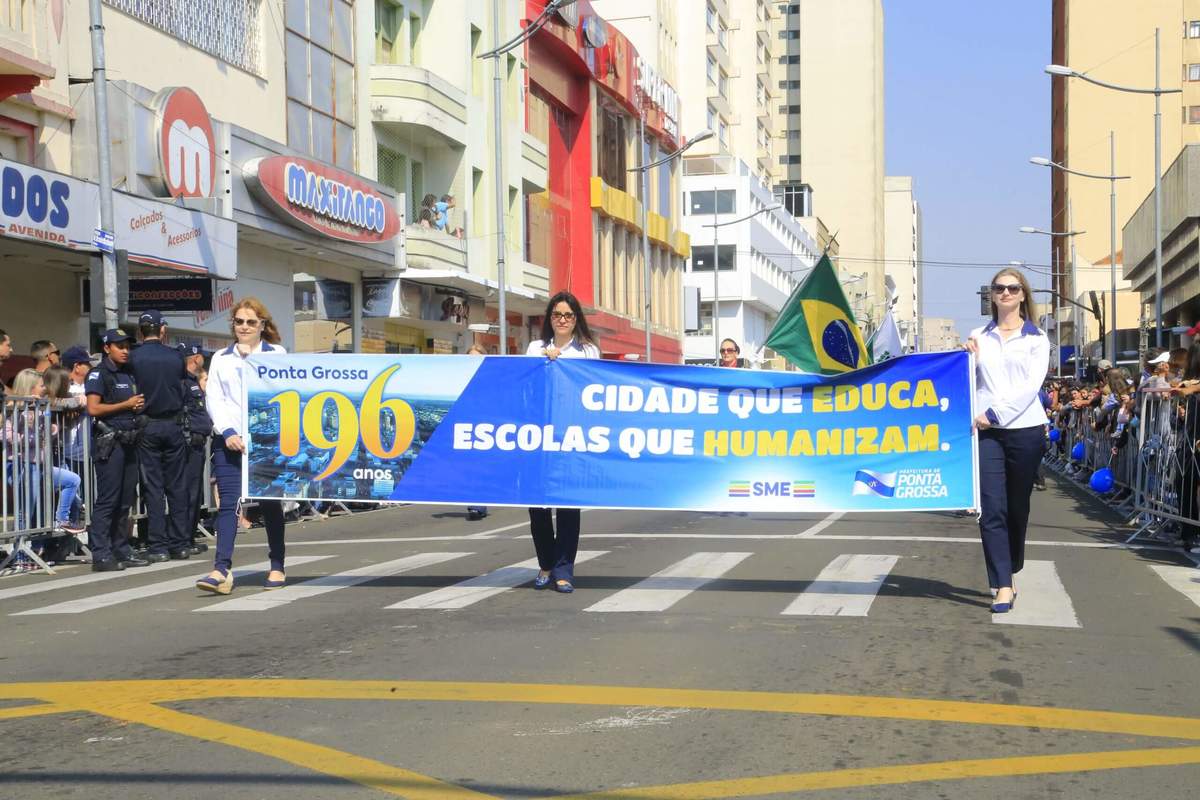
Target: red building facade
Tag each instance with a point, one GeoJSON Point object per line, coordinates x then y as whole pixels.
{"type": "Point", "coordinates": [587, 91]}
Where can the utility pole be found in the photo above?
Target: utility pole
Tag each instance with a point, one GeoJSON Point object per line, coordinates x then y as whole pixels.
{"type": "Point", "coordinates": [107, 278]}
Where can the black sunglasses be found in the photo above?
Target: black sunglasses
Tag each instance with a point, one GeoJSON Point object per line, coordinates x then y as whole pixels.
{"type": "Point", "coordinates": [1011, 288]}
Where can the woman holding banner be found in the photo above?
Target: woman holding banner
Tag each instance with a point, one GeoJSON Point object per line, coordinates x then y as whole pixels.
{"type": "Point", "coordinates": [565, 334]}
{"type": "Point", "coordinates": [1012, 356]}
{"type": "Point", "coordinates": [256, 333]}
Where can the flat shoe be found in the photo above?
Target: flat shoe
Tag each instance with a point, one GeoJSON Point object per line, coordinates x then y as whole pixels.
{"type": "Point", "coordinates": [214, 585]}
{"type": "Point", "coordinates": [270, 584]}
{"type": "Point", "coordinates": [564, 587]}
{"type": "Point", "coordinates": [541, 581]}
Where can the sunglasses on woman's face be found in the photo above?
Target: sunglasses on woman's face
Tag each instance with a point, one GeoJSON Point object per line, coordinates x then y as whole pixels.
{"type": "Point", "coordinates": [1000, 288]}
{"type": "Point", "coordinates": [728, 350]}
{"type": "Point", "coordinates": [245, 323]}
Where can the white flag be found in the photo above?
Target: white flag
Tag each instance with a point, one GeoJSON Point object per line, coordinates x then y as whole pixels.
{"type": "Point", "coordinates": [886, 342]}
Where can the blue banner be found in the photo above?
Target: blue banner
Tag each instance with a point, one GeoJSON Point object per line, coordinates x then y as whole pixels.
{"type": "Point", "coordinates": [515, 430]}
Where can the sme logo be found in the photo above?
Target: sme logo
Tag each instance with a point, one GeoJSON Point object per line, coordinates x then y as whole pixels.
{"type": "Point", "coordinates": [798, 489]}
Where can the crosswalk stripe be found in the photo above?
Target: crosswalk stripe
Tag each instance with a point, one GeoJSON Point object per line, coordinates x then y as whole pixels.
{"type": "Point", "coordinates": [51, 584]}
{"type": "Point", "coordinates": [265, 601]}
{"type": "Point", "coordinates": [845, 588]}
{"type": "Point", "coordinates": [150, 590]}
{"type": "Point", "coordinates": [1041, 599]}
{"type": "Point", "coordinates": [667, 587]}
{"type": "Point", "coordinates": [1185, 580]}
{"type": "Point", "coordinates": [471, 591]}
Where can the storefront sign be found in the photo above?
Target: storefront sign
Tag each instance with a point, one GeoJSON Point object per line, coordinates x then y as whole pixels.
{"type": "Point", "coordinates": [186, 144]}
{"type": "Point", "coordinates": [163, 294]}
{"type": "Point", "coordinates": [175, 237]}
{"type": "Point", "coordinates": [659, 94]}
{"type": "Point", "coordinates": [381, 297]}
{"type": "Point", "coordinates": [55, 209]}
{"type": "Point", "coordinates": [47, 207]}
{"type": "Point", "coordinates": [323, 199]}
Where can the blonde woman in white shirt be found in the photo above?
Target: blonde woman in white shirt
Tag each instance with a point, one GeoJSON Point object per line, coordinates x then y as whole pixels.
{"type": "Point", "coordinates": [565, 334]}
{"type": "Point", "coordinates": [255, 333]}
{"type": "Point", "coordinates": [1012, 356]}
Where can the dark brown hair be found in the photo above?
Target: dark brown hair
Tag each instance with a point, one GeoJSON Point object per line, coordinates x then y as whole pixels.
{"type": "Point", "coordinates": [583, 334]}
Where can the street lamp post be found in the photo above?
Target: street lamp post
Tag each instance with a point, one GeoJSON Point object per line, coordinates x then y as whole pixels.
{"type": "Point", "coordinates": [498, 50]}
{"type": "Point", "coordinates": [1158, 91]}
{"type": "Point", "coordinates": [1058, 316]}
{"type": "Point", "coordinates": [644, 169]}
{"type": "Point", "coordinates": [717, 272]}
{"type": "Point", "coordinates": [1112, 177]}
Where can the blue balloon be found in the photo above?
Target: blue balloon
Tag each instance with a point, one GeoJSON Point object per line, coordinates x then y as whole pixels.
{"type": "Point", "coordinates": [1055, 434]}
{"type": "Point", "coordinates": [1078, 451]}
{"type": "Point", "coordinates": [839, 343]}
{"type": "Point", "coordinates": [1102, 480]}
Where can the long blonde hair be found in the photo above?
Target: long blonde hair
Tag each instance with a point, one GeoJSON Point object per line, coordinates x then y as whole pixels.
{"type": "Point", "coordinates": [270, 333]}
{"type": "Point", "coordinates": [1027, 312]}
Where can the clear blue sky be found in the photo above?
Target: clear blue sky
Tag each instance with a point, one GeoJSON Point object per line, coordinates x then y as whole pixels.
{"type": "Point", "coordinates": [967, 104]}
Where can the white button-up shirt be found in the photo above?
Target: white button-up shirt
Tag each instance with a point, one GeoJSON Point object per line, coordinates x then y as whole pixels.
{"type": "Point", "coordinates": [1009, 375]}
{"type": "Point", "coordinates": [223, 399]}
{"type": "Point", "coordinates": [573, 349]}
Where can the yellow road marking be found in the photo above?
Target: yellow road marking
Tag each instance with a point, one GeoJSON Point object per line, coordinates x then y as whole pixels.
{"type": "Point", "coordinates": [139, 701]}
{"type": "Point", "coordinates": [35, 710]}
{"type": "Point", "coordinates": [904, 773]}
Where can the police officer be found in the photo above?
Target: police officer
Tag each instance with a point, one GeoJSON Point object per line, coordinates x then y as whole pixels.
{"type": "Point", "coordinates": [162, 451]}
{"type": "Point", "coordinates": [200, 428]}
{"type": "Point", "coordinates": [114, 404]}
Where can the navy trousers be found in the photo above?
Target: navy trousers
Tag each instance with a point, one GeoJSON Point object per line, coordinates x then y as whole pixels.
{"type": "Point", "coordinates": [163, 456]}
{"type": "Point", "coordinates": [116, 487]}
{"type": "Point", "coordinates": [556, 550]}
{"type": "Point", "coordinates": [227, 470]}
{"type": "Point", "coordinates": [194, 480]}
{"type": "Point", "coordinates": [1008, 465]}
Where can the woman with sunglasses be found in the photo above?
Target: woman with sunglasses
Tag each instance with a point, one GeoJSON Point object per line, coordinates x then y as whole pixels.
{"type": "Point", "coordinates": [565, 334]}
{"type": "Point", "coordinates": [255, 333]}
{"type": "Point", "coordinates": [730, 353]}
{"type": "Point", "coordinates": [1012, 356]}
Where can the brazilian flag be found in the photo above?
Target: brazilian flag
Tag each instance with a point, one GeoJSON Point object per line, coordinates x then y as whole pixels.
{"type": "Point", "coordinates": [816, 330]}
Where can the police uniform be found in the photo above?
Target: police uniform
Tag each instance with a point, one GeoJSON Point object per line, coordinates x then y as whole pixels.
{"type": "Point", "coordinates": [116, 474]}
{"type": "Point", "coordinates": [162, 451]}
{"type": "Point", "coordinates": [200, 429]}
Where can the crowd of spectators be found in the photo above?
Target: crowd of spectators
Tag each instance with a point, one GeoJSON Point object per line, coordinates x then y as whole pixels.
{"type": "Point", "coordinates": [1107, 407]}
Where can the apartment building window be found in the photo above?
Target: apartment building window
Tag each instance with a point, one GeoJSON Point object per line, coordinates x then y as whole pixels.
{"type": "Point", "coordinates": [1193, 72]}
{"type": "Point", "coordinates": [789, 59]}
{"type": "Point", "coordinates": [230, 30]}
{"type": "Point", "coordinates": [1193, 115]}
{"type": "Point", "coordinates": [787, 34]}
{"type": "Point", "coordinates": [711, 70]}
{"type": "Point", "coordinates": [711, 118]}
{"type": "Point", "coordinates": [320, 79]}
{"type": "Point", "coordinates": [721, 35]}
{"type": "Point", "coordinates": [761, 93]}
{"type": "Point", "coordinates": [722, 84]}
{"type": "Point", "coordinates": [793, 135]}
{"type": "Point", "coordinates": [702, 257]}
{"type": "Point", "coordinates": [723, 134]}
{"type": "Point", "coordinates": [702, 202]}
{"type": "Point", "coordinates": [710, 18]}
{"type": "Point", "coordinates": [397, 33]}
{"type": "Point", "coordinates": [792, 84]}
{"type": "Point", "coordinates": [612, 148]}
{"type": "Point", "coordinates": [790, 109]}
{"type": "Point", "coordinates": [761, 56]}
{"type": "Point", "coordinates": [706, 317]}
{"type": "Point", "coordinates": [1193, 29]}
{"type": "Point", "coordinates": [790, 159]}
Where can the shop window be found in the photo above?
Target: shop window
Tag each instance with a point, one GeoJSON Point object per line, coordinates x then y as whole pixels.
{"type": "Point", "coordinates": [612, 149]}
{"type": "Point", "coordinates": [322, 309]}
{"type": "Point", "coordinates": [319, 48]}
{"type": "Point", "coordinates": [702, 257]}
{"type": "Point", "coordinates": [702, 202]}
{"type": "Point", "coordinates": [706, 320]}
{"type": "Point", "coordinates": [1193, 115]}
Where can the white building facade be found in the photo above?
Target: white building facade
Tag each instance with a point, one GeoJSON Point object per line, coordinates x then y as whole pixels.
{"type": "Point", "coordinates": [759, 260]}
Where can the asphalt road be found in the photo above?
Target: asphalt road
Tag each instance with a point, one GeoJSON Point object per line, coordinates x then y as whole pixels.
{"type": "Point", "coordinates": [701, 655]}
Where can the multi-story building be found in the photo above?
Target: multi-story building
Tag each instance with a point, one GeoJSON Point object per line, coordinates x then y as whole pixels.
{"type": "Point", "coordinates": [938, 334]}
{"type": "Point", "coordinates": [831, 145]}
{"type": "Point", "coordinates": [601, 108]}
{"type": "Point", "coordinates": [1113, 41]}
{"type": "Point", "coordinates": [902, 255]}
{"type": "Point", "coordinates": [758, 261]}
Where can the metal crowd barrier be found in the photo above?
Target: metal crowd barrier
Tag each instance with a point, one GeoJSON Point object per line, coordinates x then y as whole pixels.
{"type": "Point", "coordinates": [1155, 464]}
